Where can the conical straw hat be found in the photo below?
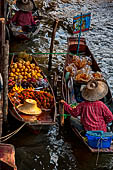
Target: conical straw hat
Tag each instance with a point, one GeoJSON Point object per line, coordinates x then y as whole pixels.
{"type": "Point", "coordinates": [24, 5]}
{"type": "Point", "coordinates": [94, 90]}
{"type": "Point", "coordinates": [29, 107]}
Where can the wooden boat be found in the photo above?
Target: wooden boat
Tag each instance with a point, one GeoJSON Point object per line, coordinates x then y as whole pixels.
{"type": "Point", "coordinates": [7, 157]}
{"type": "Point", "coordinates": [85, 52]}
{"type": "Point", "coordinates": [16, 32]}
{"type": "Point", "coordinates": [36, 87]}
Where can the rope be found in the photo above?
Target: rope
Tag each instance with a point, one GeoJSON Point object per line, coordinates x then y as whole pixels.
{"type": "Point", "coordinates": [98, 151]}
{"type": "Point", "coordinates": [12, 133]}
{"type": "Point", "coordinates": [99, 142]}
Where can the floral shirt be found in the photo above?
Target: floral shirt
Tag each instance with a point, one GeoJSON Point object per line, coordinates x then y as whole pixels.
{"type": "Point", "coordinates": [94, 115]}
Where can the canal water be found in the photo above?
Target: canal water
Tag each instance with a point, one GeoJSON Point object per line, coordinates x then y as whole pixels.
{"type": "Point", "coordinates": [53, 148]}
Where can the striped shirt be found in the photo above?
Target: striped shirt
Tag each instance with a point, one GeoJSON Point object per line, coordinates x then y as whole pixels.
{"type": "Point", "coordinates": [94, 115]}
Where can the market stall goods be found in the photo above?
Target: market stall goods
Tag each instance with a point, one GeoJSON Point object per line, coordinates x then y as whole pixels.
{"type": "Point", "coordinates": [30, 92]}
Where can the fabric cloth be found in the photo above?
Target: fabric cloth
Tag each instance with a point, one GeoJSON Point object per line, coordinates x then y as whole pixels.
{"type": "Point", "coordinates": [23, 18]}
{"type": "Point", "coordinates": [94, 115]}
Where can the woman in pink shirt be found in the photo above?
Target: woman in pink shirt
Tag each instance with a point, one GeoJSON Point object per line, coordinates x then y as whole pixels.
{"type": "Point", "coordinates": [94, 114]}
{"type": "Point", "coordinates": [24, 17]}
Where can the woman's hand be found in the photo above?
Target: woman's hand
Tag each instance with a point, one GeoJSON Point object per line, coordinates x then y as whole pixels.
{"type": "Point", "coordinates": [62, 101]}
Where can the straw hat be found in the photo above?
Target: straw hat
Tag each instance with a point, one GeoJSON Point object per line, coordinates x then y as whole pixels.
{"type": "Point", "coordinates": [29, 107]}
{"type": "Point", "coordinates": [94, 90]}
{"type": "Point", "coordinates": [24, 5]}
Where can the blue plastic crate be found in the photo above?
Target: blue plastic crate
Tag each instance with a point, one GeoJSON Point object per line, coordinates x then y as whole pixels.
{"type": "Point", "coordinates": [97, 139]}
{"type": "Point", "coordinates": [95, 133]}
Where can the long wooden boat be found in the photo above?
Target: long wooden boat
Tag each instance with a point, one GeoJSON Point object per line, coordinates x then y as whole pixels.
{"type": "Point", "coordinates": [16, 32]}
{"type": "Point", "coordinates": [84, 52]}
{"type": "Point", "coordinates": [27, 81]}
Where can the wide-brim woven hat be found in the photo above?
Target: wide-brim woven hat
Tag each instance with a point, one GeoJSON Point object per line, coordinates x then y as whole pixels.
{"type": "Point", "coordinates": [24, 5]}
{"type": "Point", "coordinates": [29, 107]}
{"type": "Point", "coordinates": [95, 90]}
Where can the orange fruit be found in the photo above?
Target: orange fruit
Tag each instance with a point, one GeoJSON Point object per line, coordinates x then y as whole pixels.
{"type": "Point", "coordinates": [16, 77]}
{"type": "Point", "coordinates": [16, 73]}
{"type": "Point", "coordinates": [25, 73]}
{"type": "Point", "coordinates": [26, 69]}
{"type": "Point", "coordinates": [11, 74]}
{"type": "Point", "coordinates": [15, 65]}
{"type": "Point", "coordinates": [27, 63]}
{"type": "Point", "coordinates": [13, 70]}
{"type": "Point", "coordinates": [19, 65]}
{"type": "Point", "coordinates": [22, 73]}
{"type": "Point", "coordinates": [29, 76]}
{"type": "Point", "coordinates": [23, 67]}
{"type": "Point", "coordinates": [25, 77]}
{"type": "Point", "coordinates": [18, 70]}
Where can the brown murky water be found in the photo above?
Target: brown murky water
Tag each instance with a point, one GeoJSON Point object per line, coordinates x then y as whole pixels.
{"type": "Point", "coordinates": [53, 149]}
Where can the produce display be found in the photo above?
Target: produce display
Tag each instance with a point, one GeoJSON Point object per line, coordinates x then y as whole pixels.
{"type": "Point", "coordinates": [83, 77]}
{"type": "Point", "coordinates": [82, 67]}
{"type": "Point", "coordinates": [43, 98]}
{"type": "Point", "coordinates": [26, 81]}
{"type": "Point", "coordinates": [23, 70]}
{"type": "Point", "coordinates": [80, 62]}
{"type": "Point", "coordinates": [97, 75]}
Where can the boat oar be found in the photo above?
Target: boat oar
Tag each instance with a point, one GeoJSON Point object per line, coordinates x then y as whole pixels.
{"type": "Point", "coordinates": [55, 81]}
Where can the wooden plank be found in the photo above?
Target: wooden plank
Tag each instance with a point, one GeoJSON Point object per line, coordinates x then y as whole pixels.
{"type": "Point", "coordinates": [2, 41]}
{"type": "Point", "coordinates": [5, 81]}
{"type": "Point", "coordinates": [4, 55]}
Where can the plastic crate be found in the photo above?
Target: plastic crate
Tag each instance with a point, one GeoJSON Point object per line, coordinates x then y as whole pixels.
{"type": "Point", "coordinates": [95, 133]}
{"type": "Point", "coordinates": [97, 139]}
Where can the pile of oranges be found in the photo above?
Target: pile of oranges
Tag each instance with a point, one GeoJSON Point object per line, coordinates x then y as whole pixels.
{"type": "Point", "coordinates": [23, 70]}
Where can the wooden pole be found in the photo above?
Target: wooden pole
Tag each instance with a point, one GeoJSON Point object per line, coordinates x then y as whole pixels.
{"type": "Point", "coordinates": [61, 113]}
{"type": "Point", "coordinates": [55, 79]}
{"type": "Point", "coordinates": [2, 11]}
{"type": "Point", "coordinates": [2, 41]}
{"type": "Point", "coordinates": [4, 55]}
{"type": "Point", "coordinates": [5, 81]}
{"type": "Point", "coordinates": [52, 43]}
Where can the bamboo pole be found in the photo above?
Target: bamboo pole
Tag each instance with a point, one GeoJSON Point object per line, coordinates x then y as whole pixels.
{"type": "Point", "coordinates": [5, 81]}
{"type": "Point", "coordinates": [52, 43]}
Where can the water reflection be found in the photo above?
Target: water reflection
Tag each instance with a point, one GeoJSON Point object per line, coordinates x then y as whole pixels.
{"type": "Point", "coordinates": [51, 150]}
